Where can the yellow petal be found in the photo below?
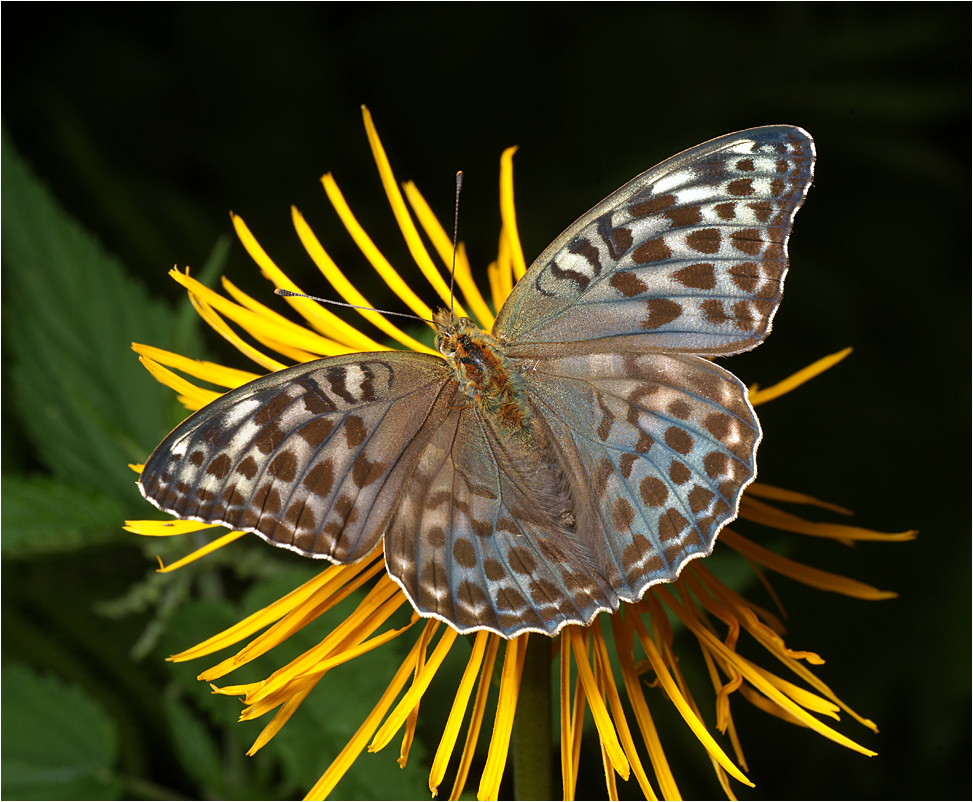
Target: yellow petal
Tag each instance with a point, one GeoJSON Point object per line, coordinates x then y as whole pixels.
{"type": "Point", "coordinates": [190, 396]}
{"type": "Point", "coordinates": [763, 490]}
{"type": "Point", "coordinates": [419, 686]}
{"type": "Point", "coordinates": [606, 730]}
{"type": "Point", "coordinates": [567, 735]}
{"type": "Point", "coordinates": [757, 678]}
{"type": "Point", "coordinates": [324, 786]}
{"type": "Point", "coordinates": [759, 512]}
{"type": "Point", "coordinates": [823, 580]}
{"type": "Point", "coordinates": [677, 698]}
{"type": "Point", "coordinates": [401, 212]}
{"type": "Point", "coordinates": [444, 247]}
{"type": "Point", "coordinates": [200, 369]}
{"type": "Point", "coordinates": [508, 213]}
{"type": "Point", "coordinates": [341, 337]}
{"type": "Point", "coordinates": [461, 701]}
{"type": "Point", "coordinates": [513, 665]}
{"type": "Point", "coordinates": [328, 582]}
{"type": "Point", "coordinates": [624, 636]}
{"type": "Point", "coordinates": [476, 718]}
{"type": "Point", "coordinates": [345, 289]}
{"type": "Point", "coordinates": [166, 528]}
{"type": "Point", "coordinates": [607, 685]}
{"type": "Point", "coordinates": [202, 552]}
{"type": "Point", "coordinates": [758, 397]}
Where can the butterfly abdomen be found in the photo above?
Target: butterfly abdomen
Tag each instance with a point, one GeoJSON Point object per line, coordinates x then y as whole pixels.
{"type": "Point", "coordinates": [496, 388]}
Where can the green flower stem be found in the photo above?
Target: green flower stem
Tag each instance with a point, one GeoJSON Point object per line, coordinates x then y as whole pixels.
{"type": "Point", "coordinates": [532, 723]}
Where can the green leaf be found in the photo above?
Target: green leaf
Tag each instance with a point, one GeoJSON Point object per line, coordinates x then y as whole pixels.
{"type": "Point", "coordinates": [197, 751]}
{"type": "Point", "coordinates": [326, 720]}
{"type": "Point", "coordinates": [58, 743]}
{"type": "Point", "coordinates": [87, 405]}
{"type": "Point", "coordinates": [43, 516]}
{"type": "Point", "coordinates": [320, 728]}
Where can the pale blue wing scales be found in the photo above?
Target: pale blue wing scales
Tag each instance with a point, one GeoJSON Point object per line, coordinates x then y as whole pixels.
{"type": "Point", "coordinates": [466, 546]}
{"type": "Point", "coordinates": [665, 444]}
{"type": "Point", "coordinates": [310, 458]}
{"type": "Point", "coordinates": [690, 256]}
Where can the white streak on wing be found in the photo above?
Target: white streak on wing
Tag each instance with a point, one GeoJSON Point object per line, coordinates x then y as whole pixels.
{"type": "Point", "coordinates": [761, 187]}
{"type": "Point", "coordinates": [647, 227]}
{"type": "Point", "coordinates": [354, 378]}
{"type": "Point", "coordinates": [697, 194]}
{"type": "Point", "coordinates": [743, 215]}
{"type": "Point", "coordinates": [243, 436]}
{"type": "Point", "coordinates": [239, 411]}
{"type": "Point", "coordinates": [602, 364]}
{"type": "Point", "coordinates": [743, 146]}
{"type": "Point", "coordinates": [676, 179]}
{"type": "Point", "coordinates": [764, 164]}
{"type": "Point", "coordinates": [575, 263]}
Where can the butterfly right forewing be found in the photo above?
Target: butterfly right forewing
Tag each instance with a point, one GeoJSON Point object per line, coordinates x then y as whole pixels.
{"type": "Point", "coordinates": [690, 256]}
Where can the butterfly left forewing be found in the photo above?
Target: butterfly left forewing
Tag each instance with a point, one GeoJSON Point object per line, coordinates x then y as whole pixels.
{"type": "Point", "coordinates": [310, 458]}
{"type": "Point", "coordinates": [690, 256]}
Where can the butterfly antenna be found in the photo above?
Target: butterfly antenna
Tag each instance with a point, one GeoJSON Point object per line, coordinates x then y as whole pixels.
{"type": "Point", "coordinates": [452, 270]}
{"type": "Point", "coordinates": [290, 294]}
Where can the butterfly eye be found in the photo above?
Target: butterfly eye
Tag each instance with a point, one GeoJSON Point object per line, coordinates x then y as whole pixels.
{"type": "Point", "coordinates": [445, 344]}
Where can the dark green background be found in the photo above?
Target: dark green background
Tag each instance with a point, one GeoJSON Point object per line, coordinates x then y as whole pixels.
{"type": "Point", "coordinates": [148, 123]}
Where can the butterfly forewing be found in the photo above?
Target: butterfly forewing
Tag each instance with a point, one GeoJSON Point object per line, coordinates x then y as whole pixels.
{"type": "Point", "coordinates": [310, 458]}
{"type": "Point", "coordinates": [690, 256]}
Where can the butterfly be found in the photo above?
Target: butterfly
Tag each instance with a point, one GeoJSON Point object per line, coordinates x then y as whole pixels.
{"type": "Point", "coordinates": [583, 450]}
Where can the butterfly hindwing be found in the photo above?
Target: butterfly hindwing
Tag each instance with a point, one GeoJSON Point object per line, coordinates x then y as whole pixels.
{"type": "Point", "coordinates": [666, 445]}
{"type": "Point", "coordinates": [468, 544]}
{"type": "Point", "coordinates": [690, 256]}
{"type": "Point", "coordinates": [310, 458]}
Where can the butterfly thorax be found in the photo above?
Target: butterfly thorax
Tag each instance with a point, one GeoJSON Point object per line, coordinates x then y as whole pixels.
{"type": "Point", "coordinates": [482, 370]}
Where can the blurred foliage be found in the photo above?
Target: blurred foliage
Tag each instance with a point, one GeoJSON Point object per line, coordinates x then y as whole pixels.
{"type": "Point", "coordinates": [131, 130]}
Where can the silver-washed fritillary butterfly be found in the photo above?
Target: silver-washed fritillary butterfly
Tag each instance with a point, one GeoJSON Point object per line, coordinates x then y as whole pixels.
{"type": "Point", "coordinates": [583, 451]}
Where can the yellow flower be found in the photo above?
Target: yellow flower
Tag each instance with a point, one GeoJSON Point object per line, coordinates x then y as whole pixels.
{"type": "Point", "coordinates": [639, 638]}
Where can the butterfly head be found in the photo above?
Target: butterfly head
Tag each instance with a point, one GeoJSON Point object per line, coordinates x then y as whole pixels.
{"type": "Point", "coordinates": [454, 334]}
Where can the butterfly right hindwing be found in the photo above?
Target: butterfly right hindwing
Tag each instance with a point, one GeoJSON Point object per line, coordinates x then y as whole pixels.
{"type": "Point", "coordinates": [666, 445]}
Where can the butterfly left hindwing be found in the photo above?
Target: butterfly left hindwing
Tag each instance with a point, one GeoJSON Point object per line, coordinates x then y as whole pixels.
{"type": "Point", "coordinates": [469, 544]}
